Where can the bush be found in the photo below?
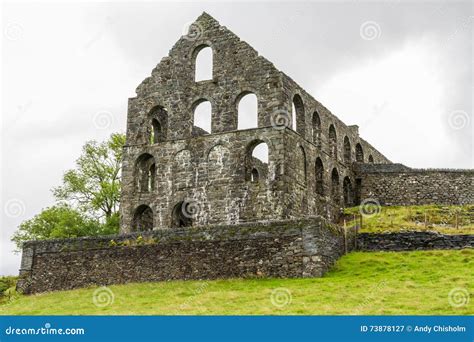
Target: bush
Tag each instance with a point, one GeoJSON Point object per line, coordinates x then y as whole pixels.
{"type": "Point", "coordinates": [7, 283]}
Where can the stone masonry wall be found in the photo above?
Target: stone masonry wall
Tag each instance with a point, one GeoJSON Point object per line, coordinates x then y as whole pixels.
{"type": "Point", "coordinates": [410, 241]}
{"type": "Point", "coordinates": [398, 185]}
{"type": "Point", "coordinates": [211, 170]}
{"type": "Point", "coordinates": [278, 249]}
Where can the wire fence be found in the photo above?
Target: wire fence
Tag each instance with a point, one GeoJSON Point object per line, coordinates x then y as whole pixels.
{"type": "Point", "coordinates": [413, 218]}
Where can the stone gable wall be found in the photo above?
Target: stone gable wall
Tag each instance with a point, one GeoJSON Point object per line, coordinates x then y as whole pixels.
{"type": "Point", "coordinates": [211, 169]}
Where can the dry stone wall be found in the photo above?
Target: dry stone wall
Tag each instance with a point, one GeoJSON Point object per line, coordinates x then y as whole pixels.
{"type": "Point", "coordinates": [305, 248]}
{"type": "Point", "coordinates": [399, 185]}
{"type": "Point", "coordinates": [412, 240]}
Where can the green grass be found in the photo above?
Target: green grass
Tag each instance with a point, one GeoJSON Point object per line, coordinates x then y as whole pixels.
{"type": "Point", "coordinates": [379, 283]}
{"type": "Point", "coordinates": [422, 218]}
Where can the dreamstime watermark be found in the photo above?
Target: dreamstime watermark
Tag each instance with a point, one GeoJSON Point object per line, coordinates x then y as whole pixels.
{"type": "Point", "coordinates": [370, 30]}
{"type": "Point", "coordinates": [458, 297]}
{"type": "Point", "coordinates": [370, 207]}
{"type": "Point", "coordinates": [192, 31]}
{"type": "Point", "coordinates": [198, 291]}
{"type": "Point", "coordinates": [98, 35]}
{"type": "Point", "coordinates": [46, 330]}
{"type": "Point", "coordinates": [13, 31]}
{"type": "Point", "coordinates": [190, 208]}
{"type": "Point", "coordinates": [14, 208]}
{"type": "Point", "coordinates": [464, 26]}
{"type": "Point", "coordinates": [458, 119]}
{"type": "Point", "coordinates": [103, 119]}
{"type": "Point", "coordinates": [378, 110]}
{"type": "Point", "coordinates": [372, 295]}
{"type": "Point", "coordinates": [280, 119]}
{"type": "Point", "coordinates": [281, 297]}
{"type": "Point", "coordinates": [102, 297]}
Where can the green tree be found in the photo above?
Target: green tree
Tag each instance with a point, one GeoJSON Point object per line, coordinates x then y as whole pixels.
{"type": "Point", "coordinates": [94, 185]}
{"type": "Point", "coordinates": [88, 200]}
{"type": "Point", "coordinates": [60, 221]}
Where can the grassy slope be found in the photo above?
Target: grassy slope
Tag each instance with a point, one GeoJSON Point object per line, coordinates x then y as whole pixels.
{"type": "Point", "coordinates": [438, 218]}
{"type": "Point", "coordinates": [361, 283]}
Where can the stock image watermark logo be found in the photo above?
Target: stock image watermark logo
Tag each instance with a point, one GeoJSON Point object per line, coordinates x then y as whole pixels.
{"type": "Point", "coordinates": [13, 31]}
{"type": "Point", "coordinates": [191, 208]}
{"type": "Point", "coordinates": [47, 329]}
{"type": "Point", "coordinates": [102, 297]}
{"type": "Point", "coordinates": [458, 119]}
{"type": "Point", "coordinates": [103, 119]}
{"type": "Point", "coordinates": [280, 119]}
{"type": "Point", "coordinates": [373, 295]}
{"type": "Point", "coordinates": [281, 297]}
{"type": "Point", "coordinates": [458, 297]}
{"type": "Point", "coordinates": [370, 30]}
{"type": "Point", "coordinates": [14, 208]}
{"type": "Point", "coordinates": [370, 207]}
{"type": "Point", "coordinates": [194, 297]}
{"type": "Point", "coordinates": [192, 31]}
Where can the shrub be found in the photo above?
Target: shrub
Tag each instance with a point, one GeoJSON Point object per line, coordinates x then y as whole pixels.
{"type": "Point", "coordinates": [6, 283]}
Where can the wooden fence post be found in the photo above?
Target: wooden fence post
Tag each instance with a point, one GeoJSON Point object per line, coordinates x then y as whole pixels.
{"type": "Point", "coordinates": [345, 237]}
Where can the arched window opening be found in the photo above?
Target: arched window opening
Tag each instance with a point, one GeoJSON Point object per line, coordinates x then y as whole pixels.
{"type": "Point", "coordinates": [359, 153]}
{"type": "Point", "coordinates": [260, 152]}
{"type": "Point", "coordinates": [335, 185]}
{"type": "Point", "coordinates": [371, 159]}
{"type": "Point", "coordinates": [202, 118]}
{"type": "Point", "coordinates": [257, 161]}
{"type": "Point", "coordinates": [180, 216]}
{"type": "Point", "coordinates": [297, 114]}
{"type": "Point", "coordinates": [254, 176]}
{"type": "Point", "coordinates": [247, 111]}
{"type": "Point", "coordinates": [151, 177]}
{"type": "Point", "coordinates": [156, 131]}
{"type": "Point", "coordinates": [332, 141]}
{"type": "Point", "coordinates": [316, 126]}
{"type": "Point", "coordinates": [143, 219]}
{"type": "Point", "coordinates": [145, 171]}
{"type": "Point", "coordinates": [301, 165]}
{"type": "Point", "coordinates": [319, 173]}
{"type": "Point", "coordinates": [347, 150]}
{"type": "Point", "coordinates": [348, 192]}
{"type": "Point", "coordinates": [158, 117]}
{"type": "Point", "coordinates": [203, 63]}
{"type": "Point", "coordinates": [293, 117]}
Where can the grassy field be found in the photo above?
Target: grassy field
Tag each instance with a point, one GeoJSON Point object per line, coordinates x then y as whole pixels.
{"type": "Point", "coordinates": [443, 219]}
{"type": "Point", "coordinates": [361, 283]}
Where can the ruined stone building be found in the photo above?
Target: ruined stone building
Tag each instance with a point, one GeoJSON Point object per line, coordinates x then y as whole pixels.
{"type": "Point", "coordinates": [170, 162]}
{"type": "Point", "coordinates": [200, 203]}
{"type": "Point", "coordinates": [172, 166]}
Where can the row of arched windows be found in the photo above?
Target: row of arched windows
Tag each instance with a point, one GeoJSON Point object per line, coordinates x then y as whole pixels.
{"type": "Point", "coordinates": [247, 110]}
{"type": "Point", "coordinates": [256, 164]}
{"type": "Point", "coordinates": [247, 113]}
{"type": "Point", "coordinates": [335, 184]}
{"type": "Point", "coordinates": [143, 219]}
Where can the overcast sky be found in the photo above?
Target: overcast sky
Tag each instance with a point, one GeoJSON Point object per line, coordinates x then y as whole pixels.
{"type": "Point", "coordinates": [401, 71]}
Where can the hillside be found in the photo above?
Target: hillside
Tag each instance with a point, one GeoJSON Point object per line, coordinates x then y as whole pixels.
{"type": "Point", "coordinates": [428, 282]}
{"type": "Point", "coordinates": [443, 219]}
